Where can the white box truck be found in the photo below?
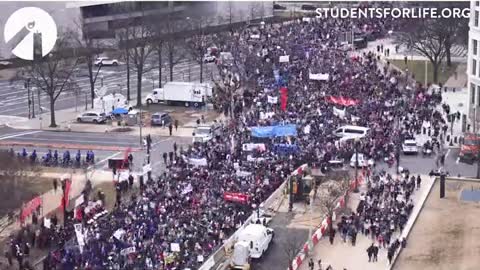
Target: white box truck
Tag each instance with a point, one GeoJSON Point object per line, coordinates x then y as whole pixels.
{"type": "Point", "coordinates": [181, 93]}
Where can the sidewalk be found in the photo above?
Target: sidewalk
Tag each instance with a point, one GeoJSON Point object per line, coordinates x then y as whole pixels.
{"type": "Point", "coordinates": [51, 199]}
{"type": "Point", "coordinates": [344, 256]}
{"type": "Point", "coordinates": [66, 122]}
{"type": "Point", "coordinates": [388, 43]}
{"type": "Point", "coordinates": [456, 100]}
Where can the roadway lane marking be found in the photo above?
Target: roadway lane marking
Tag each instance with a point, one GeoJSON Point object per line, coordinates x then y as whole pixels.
{"type": "Point", "coordinates": [165, 140]}
{"type": "Point", "coordinates": [448, 152]}
{"type": "Point", "coordinates": [9, 136]}
{"type": "Point", "coordinates": [104, 160]}
{"type": "Point", "coordinates": [127, 144]}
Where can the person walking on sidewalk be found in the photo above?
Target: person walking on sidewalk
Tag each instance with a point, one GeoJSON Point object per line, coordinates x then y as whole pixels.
{"type": "Point", "coordinates": [176, 125]}
{"type": "Point", "coordinates": [311, 264]}
{"type": "Point", "coordinates": [419, 181]}
{"type": "Point", "coordinates": [354, 237]}
{"type": "Point", "coordinates": [375, 253]}
{"type": "Point", "coordinates": [331, 235]}
{"type": "Point", "coordinates": [55, 185]}
{"type": "Point", "coordinates": [319, 264]}
{"type": "Point", "coordinates": [170, 129]}
{"type": "Point", "coordinates": [390, 255]}
{"type": "Point", "coordinates": [370, 252]}
{"type": "Point", "coordinates": [165, 156]}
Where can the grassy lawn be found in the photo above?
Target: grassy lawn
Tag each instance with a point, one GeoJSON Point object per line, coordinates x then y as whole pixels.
{"type": "Point", "coordinates": [418, 69]}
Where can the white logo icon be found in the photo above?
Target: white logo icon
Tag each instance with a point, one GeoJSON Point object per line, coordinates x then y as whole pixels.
{"type": "Point", "coordinates": [27, 24]}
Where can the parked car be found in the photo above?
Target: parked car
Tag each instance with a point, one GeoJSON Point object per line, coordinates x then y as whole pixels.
{"type": "Point", "coordinates": [92, 117]}
{"type": "Point", "coordinates": [308, 7]}
{"type": "Point", "coordinates": [161, 119]}
{"type": "Point", "coordinates": [105, 61]}
{"type": "Point", "coordinates": [205, 133]}
{"type": "Point", "coordinates": [410, 146]}
{"type": "Point", "coordinates": [279, 7]}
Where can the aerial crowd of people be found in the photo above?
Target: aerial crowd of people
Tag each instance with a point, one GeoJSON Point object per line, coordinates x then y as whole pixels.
{"type": "Point", "coordinates": [180, 217]}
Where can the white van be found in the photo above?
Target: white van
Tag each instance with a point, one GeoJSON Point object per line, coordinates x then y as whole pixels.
{"type": "Point", "coordinates": [351, 132]}
{"type": "Point", "coordinates": [258, 238]}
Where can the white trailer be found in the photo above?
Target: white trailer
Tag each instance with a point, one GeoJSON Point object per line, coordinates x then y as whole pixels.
{"type": "Point", "coordinates": [110, 102]}
{"type": "Point", "coordinates": [181, 93]}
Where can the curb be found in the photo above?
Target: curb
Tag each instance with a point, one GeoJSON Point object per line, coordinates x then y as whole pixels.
{"type": "Point", "coordinates": [320, 232]}
{"type": "Point", "coordinates": [69, 146]}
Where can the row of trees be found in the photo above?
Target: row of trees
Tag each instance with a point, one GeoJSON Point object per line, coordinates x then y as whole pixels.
{"type": "Point", "coordinates": [139, 40]}
{"type": "Point", "coordinates": [434, 38]}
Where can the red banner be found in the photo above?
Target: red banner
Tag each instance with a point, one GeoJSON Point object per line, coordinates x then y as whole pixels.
{"type": "Point", "coordinates": [29, 207]}
{"type": "Point", "coordinates": [342, 101]}
{"type": "Point", "coordinates": [65, 199]}
{"type": "Point", "coordinates": [236, 197]}
{"type": "Point", "coordinates": [283, 98]}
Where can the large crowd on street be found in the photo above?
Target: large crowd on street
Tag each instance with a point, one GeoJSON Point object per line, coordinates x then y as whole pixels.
{"type": "Point", "coordinates": [180, 218]}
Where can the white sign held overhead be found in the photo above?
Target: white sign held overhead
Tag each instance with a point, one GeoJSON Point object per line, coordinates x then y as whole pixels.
{"type": "Point", "coordinates": [79, 201]}
{"type": "Point", "coordinates": [339, 113]}
{"type": "Point", "coordinates": [284, 59]}
{"type": "Point", "coordinates": [253, 146]}
{"type": "Point", "coordinates": [319, 76]}
{"type": "Point", "coordinates": [175, 247]}
{"type": "Point", "coordinates": [127, 251]}
{"type": "Point", "coordinates": [79, 234]}
{"type": "Point", "coordinates": [272, 100]}
{"type": "Point", "coordinates": [197, 161]}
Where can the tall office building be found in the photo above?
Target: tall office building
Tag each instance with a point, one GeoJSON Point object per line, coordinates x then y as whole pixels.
{"type": "Point", "coordinates": [102, 19]}
{"type": "Point", "coordinates": [474, 63]}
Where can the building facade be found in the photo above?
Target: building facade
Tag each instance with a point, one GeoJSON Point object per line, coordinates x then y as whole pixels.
{"type": "Point", "coordinates": [102, 19]}
{"type": "Point", "coordinates": [473, 71]}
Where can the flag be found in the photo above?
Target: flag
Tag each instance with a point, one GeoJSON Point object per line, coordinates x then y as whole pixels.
{"type": "Point", "coordinates": [283, 98]}
{"type": "Point", "coordinates": [64, 202]}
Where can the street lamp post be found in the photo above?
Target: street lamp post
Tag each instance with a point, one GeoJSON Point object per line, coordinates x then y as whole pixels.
{"type": "Point", "coordinates": [33, 103]}
{"type": "Point", "coordinates": [355, 190]}
{"type": "Point", "coordinates": [27, 85]}
{"type": "Point", "coordinates": [290, 191]}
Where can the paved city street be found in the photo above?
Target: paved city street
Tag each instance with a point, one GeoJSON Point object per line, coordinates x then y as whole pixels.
{"type": "Point", "coordinates": [14, 96]}
{"type": "Point", "coordinates": [292, 93]}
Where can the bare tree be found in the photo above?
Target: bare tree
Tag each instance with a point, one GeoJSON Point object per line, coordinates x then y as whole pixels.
{"type": "Point", "coordinates": [139, 49]}
{"type": "Point", "coordinates": [13, 170]}
{"type": "Point", "coordinates": [291, 246]}
{"type": "Point", "coordinates": [197, 43]}
{"type": "Point", "coordinates": [330, 193]}
{"type": "Point", "coordinates": [53, 73]}
{"type": "Point", "coordinates": [124, 37]}
{"type": "Point", "coordinates": [174, 42]}
{"type": "Point", "coordinates": [90, 49]}
{"type": "Point", "coordinates": [430, 40]}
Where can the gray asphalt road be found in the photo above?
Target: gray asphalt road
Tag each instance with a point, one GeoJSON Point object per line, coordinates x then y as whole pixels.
{"type": "Point", "coordinates": [112, 147]}
{"type": "Point", "coordinates": [14, 96]}
{"type": "Point", "coordinates": [286, 241]}
{"type": "Point", "coordinates": [423, 165]}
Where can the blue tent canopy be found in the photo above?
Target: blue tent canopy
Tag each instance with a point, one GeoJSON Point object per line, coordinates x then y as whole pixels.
{"type": "Point", "coordinates": [274, 131]}
{"type": "Point", "coordinates": [120, 111]}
